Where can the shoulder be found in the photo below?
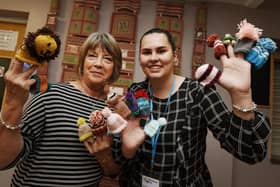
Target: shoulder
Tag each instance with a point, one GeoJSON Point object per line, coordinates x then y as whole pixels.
{"type": "Point", "coordinates": [189, 84]}
{"type": "Point", "coordinates": [56, 90]}
{"type": "Point", "coordinates": [195, 89]}
{"type": "Point", "coordinates": [138, 85]}
{"type": "Point", "coordinates": [60, 86]}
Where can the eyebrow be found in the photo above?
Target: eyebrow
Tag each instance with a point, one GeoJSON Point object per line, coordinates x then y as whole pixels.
{"type": "Point", "coordinates": [160, 47]}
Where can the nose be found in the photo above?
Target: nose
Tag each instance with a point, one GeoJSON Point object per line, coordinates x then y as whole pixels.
{"type": "Point", "coordinates": [98, 61]}
{"type": "Point", "coordinates": [154, 56]}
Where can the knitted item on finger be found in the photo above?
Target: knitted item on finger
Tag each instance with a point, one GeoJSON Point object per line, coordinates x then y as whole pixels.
{"type": "Point", "coordinates": [38, 48]}
{"type": "Point", "coordinates": [219, 47]}
{"type": "Point", "coordinates": [229, 39]}
{"type": "Point", "coordinates": [41, 84]}
{"type": "Point", "coordinates": [207, 75]}
{"type": "Point", "coordinates": [268, 44]}
{"type": "Point", "coordinates": [259, 54]}
{"type": "Point", "coordinates": [131, 103]}
{"type": "Point", "coordinates": [248, 30]}
{"type": "Point", "coordinates": [115, 123]}
{"type": "Point", "coordinates": [97, 123]}
{"type": "Point", "coordinates": [247, 36]}
{"type": "Point", "coordinates": [153, 126]}
{"type": "Point", "coordinates": [84, 130]}
{"type": "Point", "coordinates": [119, 105]}
{"type": "Point", "coordinates": [139, 103]}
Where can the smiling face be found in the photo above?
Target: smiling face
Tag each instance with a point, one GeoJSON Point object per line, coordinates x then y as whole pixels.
{"type": "Point", "coordinates": [156, 56]}
{"type": "Point", "coordinates": [98, 66]}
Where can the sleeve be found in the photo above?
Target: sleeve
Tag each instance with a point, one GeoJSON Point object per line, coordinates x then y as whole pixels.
{"type": "Point", "coordinates": [32, 125]}
{"type": "Point", "coordinates": [244, 139]}
{"type": "Point", "coordinates": [117, 150]}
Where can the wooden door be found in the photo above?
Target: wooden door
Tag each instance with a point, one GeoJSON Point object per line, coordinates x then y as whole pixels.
{"type": "Point", "coordinates": [11, 36]}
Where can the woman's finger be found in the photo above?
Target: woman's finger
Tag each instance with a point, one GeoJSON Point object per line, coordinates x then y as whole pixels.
{"type": "Point", "coordinates": [98, 140]}
{"type": "Point", "coordinates": [223, 59]}
{"type": "Point", "coordinates": [230, 51]}
{"type": "Point", "coordinates": [16, 66]}
{"type": "Point", "coordinates": [29, 72]}
{"type": "Point", "coordinates": [89, 146]}
{"type": "Point", "coordinates": [107, 138]}
{"type": "Point", "coordinates": [240, 55]}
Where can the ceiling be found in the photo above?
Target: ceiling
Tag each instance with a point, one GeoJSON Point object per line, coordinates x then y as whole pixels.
{"type": "Point", "coordinates": [259, 4]}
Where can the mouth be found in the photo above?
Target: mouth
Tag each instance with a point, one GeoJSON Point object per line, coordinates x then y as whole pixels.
{"type": "Point", "coordinates": [154, 68]}
{"type": "Point", "coordinates": [96, 73]}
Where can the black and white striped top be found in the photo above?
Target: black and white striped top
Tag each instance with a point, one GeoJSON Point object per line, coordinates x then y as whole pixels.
{"type": "Point", "coordinates": [53, 156]}
{"type": "Point", "coordinates": [181, 147]}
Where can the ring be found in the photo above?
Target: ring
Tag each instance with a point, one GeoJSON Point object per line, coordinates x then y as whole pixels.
{"type": "Point", "coordinates": [91, 141]}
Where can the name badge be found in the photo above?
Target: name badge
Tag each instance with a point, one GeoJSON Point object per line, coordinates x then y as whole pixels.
{"type": "Point", "coordinates": [149, 182]}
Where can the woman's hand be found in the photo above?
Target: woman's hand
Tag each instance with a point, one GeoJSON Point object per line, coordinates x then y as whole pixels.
{"type": "Point", "coordinates": [18, 83]}
{"type": "Point", "coordinates": [132, 137]}
{"type": "Point", "coordinates": [16, 94]}
{"type": "Point", "coordinates": [98, 144]}
{"type": "Point", "coordinates": [236, 74]}
{"type": "Point", "coordinates": [236, 78]}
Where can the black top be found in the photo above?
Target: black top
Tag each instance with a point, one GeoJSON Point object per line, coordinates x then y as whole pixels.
{"type": "Point", "coordinates": [181, 147]}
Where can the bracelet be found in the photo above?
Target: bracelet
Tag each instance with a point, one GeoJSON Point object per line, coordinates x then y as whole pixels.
{"type": "Point", "coordinates": [241, 109]}
{"type": "Point", "coordinates": [8, 126]}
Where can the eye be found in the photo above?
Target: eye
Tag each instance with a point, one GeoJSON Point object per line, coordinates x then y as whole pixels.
{"type": "Point", "coordinates": [108, 59]}
{"type": "Point", "coordinates": [146, 52]}
{"type": "Point", "coordinates": [161, 50]}
{"type": "Point", "coordinates": [92, 55]}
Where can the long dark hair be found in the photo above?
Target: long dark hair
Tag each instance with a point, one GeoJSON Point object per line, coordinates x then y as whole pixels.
{"type": "Point", "coordinates": [165, 32]}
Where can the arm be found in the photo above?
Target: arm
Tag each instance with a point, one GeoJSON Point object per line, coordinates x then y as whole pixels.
{"type": "Point", "coordinates": [236, 79]}
{"type": "Point", "coordinates": [101, 148]}
{"type": "Point", "coordinates": [244, 134]}
{"type": "Point", "coordinates": [105, 159]}
{"type": "Point", "coordinates": [132, 137]}
{"type": "Point", "coordinates": [16, 94]}
{"type": "Point", "coordinates": [244, 139]}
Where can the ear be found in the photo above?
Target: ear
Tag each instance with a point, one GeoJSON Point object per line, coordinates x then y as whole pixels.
{"type": "Point", "coordinates": [176, 58]}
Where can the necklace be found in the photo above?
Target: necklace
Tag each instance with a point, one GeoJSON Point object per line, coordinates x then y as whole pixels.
{"type": "Point", "coordinates": [89, 92]}
{"type": "Point", "coordinates": [96, 119]}
{"type": "Point", "coordinates": [154, 140]}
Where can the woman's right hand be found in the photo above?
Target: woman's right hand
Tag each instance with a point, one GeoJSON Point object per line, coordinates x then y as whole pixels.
{"type": "Point", "coordinates": [16, 94]}
{"type": "Point", "coordinates": [132, 137]}
{"type": "Point", "coordinates": [18, 83]}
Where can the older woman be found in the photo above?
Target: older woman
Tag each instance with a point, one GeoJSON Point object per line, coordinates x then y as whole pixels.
{"type": "Point", "coordinates": [42, 140]}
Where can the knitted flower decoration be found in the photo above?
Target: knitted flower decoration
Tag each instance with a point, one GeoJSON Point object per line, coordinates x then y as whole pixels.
{"type": "Point", "coordinates": [97, 122]}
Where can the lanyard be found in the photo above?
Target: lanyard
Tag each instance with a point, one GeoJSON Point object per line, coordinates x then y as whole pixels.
{"type": "Point", "coordinates": [154, 139]}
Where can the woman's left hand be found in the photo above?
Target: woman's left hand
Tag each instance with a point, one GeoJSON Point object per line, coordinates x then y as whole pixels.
{"type": "Point", "coordinates": [236, 74]}
{"type": "Point", "coordinates": [236, 78]}
{"type": "Point", "coordinates": [101, 143]}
